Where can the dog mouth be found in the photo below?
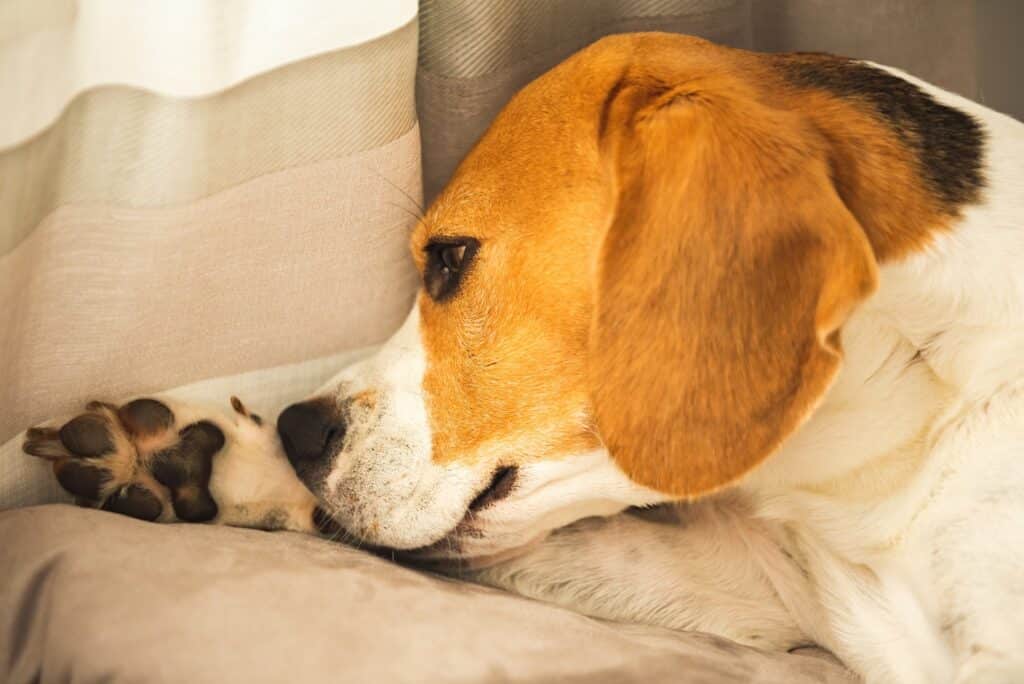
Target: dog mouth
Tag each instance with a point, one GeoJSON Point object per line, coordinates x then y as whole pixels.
{"type": "Point", "coordinates": [448, 547]}
{"type": "Point", "coordinates": [502, 483]}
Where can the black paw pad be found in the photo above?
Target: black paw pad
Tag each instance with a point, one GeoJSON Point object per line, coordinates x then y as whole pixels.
{"type": "Point", "coordinates": [87, 435]}
{"type": "Point", "coordinates": [135, 501]}
{"type": "Point", "coordinates": [81, 479]}
{"type": "Point", "coordinates": [145, 417]}
{"type": "Point", "coordinates": [194, 505]}
{"type": "Point", "coordinates": [185, 469]}
{"type": "Point", "coordinates": [203, 437]}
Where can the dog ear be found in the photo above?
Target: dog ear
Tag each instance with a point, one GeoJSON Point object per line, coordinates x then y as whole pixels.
{"type": "Point", "coordinates": [722, 283]}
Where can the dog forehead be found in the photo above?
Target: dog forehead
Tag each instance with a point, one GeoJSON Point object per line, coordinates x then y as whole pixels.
{"type": "Point", "coordinates": [536, 173]}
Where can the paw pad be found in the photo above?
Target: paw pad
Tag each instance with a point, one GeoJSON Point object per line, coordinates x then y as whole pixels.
{"type": "Point", "coordinates": [135, 501]}
{"type": "Point", "coordinates": [134, 460]}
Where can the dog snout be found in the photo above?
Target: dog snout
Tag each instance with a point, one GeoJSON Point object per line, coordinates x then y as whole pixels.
{"type": "Point", "coordinates": [309, 431]}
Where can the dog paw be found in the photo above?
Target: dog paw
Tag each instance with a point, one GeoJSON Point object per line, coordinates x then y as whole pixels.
{"type": "Point", "coordinates": [163, 460]}
{"type": "Point", "coordinates": [139, 459]}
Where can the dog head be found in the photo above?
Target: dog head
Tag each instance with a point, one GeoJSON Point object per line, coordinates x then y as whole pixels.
{"type": "Point", "coordinates": [633, 289]}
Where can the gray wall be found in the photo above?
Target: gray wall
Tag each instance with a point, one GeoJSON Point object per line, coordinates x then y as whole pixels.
{"type": "Point", "coordinates": [474, 54]}
{"type": "Point", "coordinates": [999, 38]}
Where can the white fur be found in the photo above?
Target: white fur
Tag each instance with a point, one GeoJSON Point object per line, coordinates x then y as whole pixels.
{"type": "Point", "coordinates": [889, 529]}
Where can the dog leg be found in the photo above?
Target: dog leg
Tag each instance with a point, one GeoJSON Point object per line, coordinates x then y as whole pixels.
{"type": "Point", "coordinates": [694, 571]}
{"type": "Point", "coordinates": [161, 460]}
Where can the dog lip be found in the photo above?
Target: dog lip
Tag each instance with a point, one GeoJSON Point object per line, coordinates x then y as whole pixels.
{"type": "Point", "coordinates": [501, 485]}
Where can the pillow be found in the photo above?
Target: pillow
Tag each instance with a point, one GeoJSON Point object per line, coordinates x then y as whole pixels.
{"type": "Point", "coordinates": [91, 596]}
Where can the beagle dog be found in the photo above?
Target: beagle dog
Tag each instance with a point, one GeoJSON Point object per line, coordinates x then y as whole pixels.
{"type": "Point", "coordinates": [782, 296]}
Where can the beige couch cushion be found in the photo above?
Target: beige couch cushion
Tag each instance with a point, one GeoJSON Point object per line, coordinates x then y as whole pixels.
{"type": "Point", "coordinates": [89, 596]}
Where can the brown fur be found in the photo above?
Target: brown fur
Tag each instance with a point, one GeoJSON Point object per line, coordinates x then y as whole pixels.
{"type": "Point", "coordinates": [671, 235]}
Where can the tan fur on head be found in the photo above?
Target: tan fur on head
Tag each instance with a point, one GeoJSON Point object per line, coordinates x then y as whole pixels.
{"type": "Point", "coordinates": [667, 257]}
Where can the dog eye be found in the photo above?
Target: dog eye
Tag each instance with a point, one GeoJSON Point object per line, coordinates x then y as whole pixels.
{"type": "Point", "coordinates": [452, 256]}
{"type": "Point", "coordinates": [447, 261]}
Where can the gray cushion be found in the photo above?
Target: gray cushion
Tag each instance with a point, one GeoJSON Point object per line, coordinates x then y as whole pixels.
{"type": "Point", "coordinates": [91, 596]}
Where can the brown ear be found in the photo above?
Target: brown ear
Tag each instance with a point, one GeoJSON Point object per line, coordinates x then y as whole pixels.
{"type": "Point", "coordinates": [722, 282]}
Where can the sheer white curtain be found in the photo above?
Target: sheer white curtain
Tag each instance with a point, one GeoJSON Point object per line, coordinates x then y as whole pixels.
{"type": "Point", "coordinates": [191, 190]}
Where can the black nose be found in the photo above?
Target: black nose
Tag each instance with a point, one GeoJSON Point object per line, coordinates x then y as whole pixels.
{"type": "Point", "coordinates": [309, 429]}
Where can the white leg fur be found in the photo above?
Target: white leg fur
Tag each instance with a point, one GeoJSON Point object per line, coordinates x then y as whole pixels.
{"type": "Point", "coordinates": [699, 570]}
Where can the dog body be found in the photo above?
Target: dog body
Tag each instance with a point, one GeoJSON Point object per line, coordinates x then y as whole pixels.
{"type": "Point", "coordinates": [910, 468]}
{"type": "Point", "coordinates": [909, 471]}
{"type": "Point", "coordinates": [780, 296]}
{"type": "Point", "coordinates": [889, 527]}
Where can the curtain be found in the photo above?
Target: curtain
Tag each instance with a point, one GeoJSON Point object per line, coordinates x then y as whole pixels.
{"type": "Point", "coordinates": [215, 196]}
{"type": "Point", "coordinates": [193, 190]}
